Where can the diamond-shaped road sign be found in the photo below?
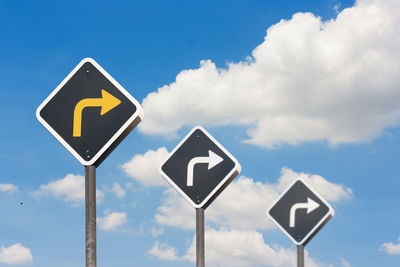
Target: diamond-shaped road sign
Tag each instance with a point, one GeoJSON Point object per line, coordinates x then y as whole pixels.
{"type": "Point", "coordinates": [200, 168]}
{"type": "Point", "coordinates": [89, 113]}
{"type": "Point", "coordinates": [300, 212]}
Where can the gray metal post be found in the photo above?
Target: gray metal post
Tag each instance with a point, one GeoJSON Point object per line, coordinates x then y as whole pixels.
{"type": "Point", "coordinates": [200, 237]}
{"type": "Point", "coordinates": [90, 215]}
{"type": "Point", "coordinates": [300, 256]}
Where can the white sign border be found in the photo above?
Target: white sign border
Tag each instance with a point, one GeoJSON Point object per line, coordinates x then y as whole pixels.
{"type": "Point", "coordinates": [237, 168]}
{"type": "Point", "coordinates": [331, 212]}
{"type": "Point", "coordinates": [138, 113]}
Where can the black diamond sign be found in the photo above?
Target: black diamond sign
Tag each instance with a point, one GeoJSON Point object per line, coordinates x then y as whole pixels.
{"type": "Point", "coordinates": [200, 168]}
{"type": "Point", "coordinates": [89, 113]}
{"type": "Point", "coordinates": [300, 212]}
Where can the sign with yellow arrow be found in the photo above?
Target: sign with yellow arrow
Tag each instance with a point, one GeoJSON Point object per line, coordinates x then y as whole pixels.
{"type": "Point", "coordinates": [89, 113]}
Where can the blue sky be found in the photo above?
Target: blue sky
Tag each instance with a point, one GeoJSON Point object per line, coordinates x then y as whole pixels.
{"type": "Point", "coordinates": [315, 96]}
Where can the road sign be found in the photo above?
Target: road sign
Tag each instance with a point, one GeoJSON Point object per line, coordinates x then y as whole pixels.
{"type": "Point", "coordinates": [89, 113]}
{"type": "Point", "coordinates": [200, 168]}
{"type": "Point", "coordinates": [300, 212]}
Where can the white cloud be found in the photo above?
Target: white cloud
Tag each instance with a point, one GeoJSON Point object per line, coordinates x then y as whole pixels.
{"type": "Point", "coordinates": [129, 185]}
{"type": "Point", "coordinates": [163, 251]}
{"type": "Point", "coordinates": [71, 188]}
{"type": "Point", "coordinates": [336, 80]}
{"type": "Point", "coordinates": [391, 248]}
{"type": "Point", "coordinates": [250, 212]}
{"type": "Point", "coordinates": [9, 188]}
{"type": "Point", "coordinates": [336, 7]}
{"type": "Point", "coordinates": [233, 248]}
{"type": "Point", "coordinates": [329, 191]}
{"type": "Point", "coordinates": [156, 231]}
{"type": "Point", "coordinates": [345, 263]}
{"type": "Point", "coordinates": [112, 221]}
{"type": "Point", "coordinates": [117, 189]}
{"type": "Point", "coordinates": [145, 168]}
{"type": "Point", "coordinates": [175, 211]}
{"type": "Point", "coordinates": [15, 254]}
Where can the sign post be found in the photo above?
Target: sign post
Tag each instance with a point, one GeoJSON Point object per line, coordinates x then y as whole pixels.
{"type": "Point", "coordinates": [200, 168]}
{"type": "Point", "coordinates": [200, 259]}
{"type": "Point", "coordinates": [300, 213]}
{"type": "Point", "coordinates": [300, 256]}
{"type": "Point", "coordinates": [90, 113]}
{"type": "Point", "coordinates": [90, 215]}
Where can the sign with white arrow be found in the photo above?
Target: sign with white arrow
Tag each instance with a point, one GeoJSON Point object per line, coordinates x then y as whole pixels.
{"type": "Point", "coordinates": [300, 212]}
{"type": "Point", "coordinates": [200, 168]}
{"type": "Point", "coordinates": [89, 113]}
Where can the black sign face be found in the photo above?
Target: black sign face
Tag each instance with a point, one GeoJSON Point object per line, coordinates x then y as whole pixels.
{"type": "Point", "coordinates": [200, 168]}
{"type": "Point", "coordinates": [89, 112]}
{"type": "Point", "coordinates": [300, 212]}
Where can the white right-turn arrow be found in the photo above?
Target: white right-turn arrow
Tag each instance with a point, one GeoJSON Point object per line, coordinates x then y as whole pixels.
{"type": "Point", "coordinates": [310, 206]}
{"type": "Point", "coordinates": [212, 160]}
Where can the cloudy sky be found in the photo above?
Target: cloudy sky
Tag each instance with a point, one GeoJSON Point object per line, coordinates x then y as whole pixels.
{"type": "Point", "coordinates": [291, 88]}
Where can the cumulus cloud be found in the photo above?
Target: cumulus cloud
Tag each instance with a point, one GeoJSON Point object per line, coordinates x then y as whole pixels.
{"type": "Point", "coordinates": [145, 168]}
{"type": "Point", "coordinates": [112, 221]}
{"type": "Point", "coordinates": [175, 211]}
{"type": "Point", "coordinates": [156, 231]}
{"type": "Point", "coordinates": [329, 191]}
{"type": "Point", "coordinates": [336, 7]}
{"type": "Point", "coordinates": [163, 251]}
{"type": "Point", "coordinates": [9, 188]}
{"type": "Point", "coordinates": [336, 80]}
{"type": "Point", "coordinates": [234, 248]}
{"type": "Point", "coordinates": [345, 263]}
{"type": "Point", "coordinates": [71, 188]}
{"type": "Point", "coordinates": [391, 248]}
{"type": "Point", "coordinates": [117, 190]}
{"type": "Point", "coordinates": [255, 197]}
{"type": "Point", "coordinates": [15, 254]}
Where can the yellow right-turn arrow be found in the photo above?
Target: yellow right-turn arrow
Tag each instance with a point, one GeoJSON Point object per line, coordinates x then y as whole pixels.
{"type": "Point", "coordinates": [107, 102]}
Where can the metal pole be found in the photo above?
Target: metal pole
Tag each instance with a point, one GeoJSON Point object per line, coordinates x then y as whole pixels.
{"type": "Point", "coordinates": [300, 256]}
{"type": "Point", "coordinates": [90, 215]}
{"type": "Point", "coordinates": [200, 237]}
